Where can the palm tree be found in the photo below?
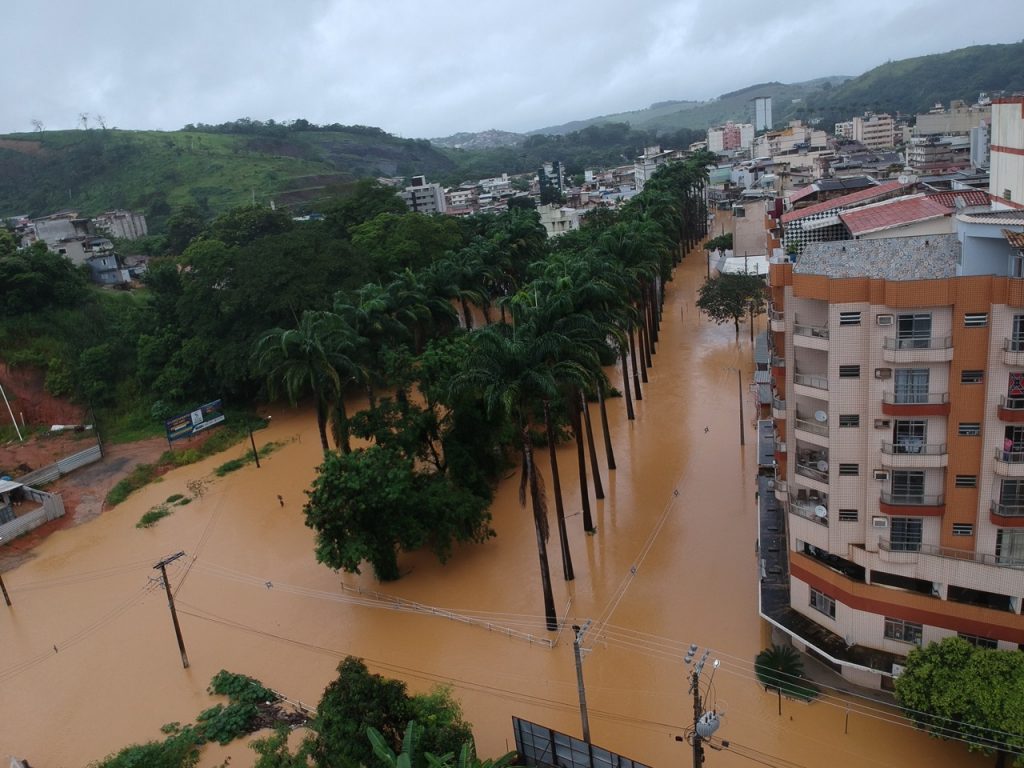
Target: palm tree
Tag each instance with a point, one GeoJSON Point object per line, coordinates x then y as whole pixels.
{"type": "Point", "coordinates": [315, 358]}
{"type": "Point", "coordinates": [780, 667]}
{"type": "Point", "coordinates": [369, 312]}
{"type": "Point", "coordinates": [511, 369]}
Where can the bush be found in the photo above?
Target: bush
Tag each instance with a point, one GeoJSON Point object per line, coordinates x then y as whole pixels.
{"type": "Point", "coordinates": [149, 519]}
{"type": "Point", "coordinates": [174, 497]}
{"type": "Point", "coordinates": [142, 475]}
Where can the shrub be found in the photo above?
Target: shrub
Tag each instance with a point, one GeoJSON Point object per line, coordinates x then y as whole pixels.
{"type": "Point", "coordinates": [149, 519]}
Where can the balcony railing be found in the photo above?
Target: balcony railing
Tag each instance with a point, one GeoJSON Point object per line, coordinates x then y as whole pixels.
{"type": "Point", "coordinates": [948, 553]}
{"type": "Point", "coordinates": [1013, 345]}
{"type": "Point", "coordinates": [812, 471]}
{"type": "Point", "coordinates": [1011, 403]}
{"type": "Point", "coordinates": [913, 499]}
{"type": "Point", "coordinates": [816, 331]}
{"type": "Point", "coordinates": [778, 405]}
{"type": "Point", "coordinates": [913, 447]}
{"type": "Point", "coordinates": [816, 381]}
{"type": "Point", "coordinates": [814, 427]}
{"type": "Point", "coordinates": [774, 314]}
{"type": "Point", "coordinates": [1007, 509]}
{"type": "Point", "coordinates": [918, 398]}
{"type": "Point", "coordinates": [778, 362]}
{"type": "Point", "coordinates": [808, 510]}
{"type": "Point", "coordinates": [1009, 457]}
{"type": "Point", "coordinates": [932, 342]}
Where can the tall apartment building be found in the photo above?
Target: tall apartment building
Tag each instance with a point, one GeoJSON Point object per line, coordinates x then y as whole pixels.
{"type": "Point", "coordinates": [871, 130]}
{"type": "Point", "coordinates": [647, 163]}
{"type": "Point", "coordinates": [422, 197]}
{"type": "Point", "coordinates": [958, 119]}
{"type": "Point", "coordinates": [730, 136]}
{"type": "Point", "coordinates": [898, 375]}
{"type": "Point", "coordinates": [1007, 148]}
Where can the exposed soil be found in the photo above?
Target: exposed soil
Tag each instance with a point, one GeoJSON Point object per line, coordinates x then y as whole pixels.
{"type": "Point", "coordinates": [25, 147]}
{"type": "Point", "coordinates": [31, 403]}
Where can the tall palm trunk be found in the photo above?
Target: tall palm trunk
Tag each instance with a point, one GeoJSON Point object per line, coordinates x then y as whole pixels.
{"type": "Point", "coordinates": [625, 385]}
{"type": "Point", "coordinates": [339, 426]}
{"type": "Point", "coordinates": [594, 469]}
{"type": "Point", "coordinates": [604, 424]}
{"type": "Point", "coordinates": [563, 537]}
{"type": "Point", "coordinates": [540, 523]}
{"type": "Point", "coordinates": [652, 308]}
{"type": "Point", "coordinates": [321, 422]}
{"type": "Point", "coordinates": [467, 316]}
{"type": "Point", "coordinates": [574, 417]}
{"type": "Point", "coordinates": [636, 368]}
{"type": "Point", "coordinates": [641, 341]}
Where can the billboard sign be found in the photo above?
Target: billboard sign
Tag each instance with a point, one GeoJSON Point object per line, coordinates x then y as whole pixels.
{"type": "Point", "coordinates": [187, 424]}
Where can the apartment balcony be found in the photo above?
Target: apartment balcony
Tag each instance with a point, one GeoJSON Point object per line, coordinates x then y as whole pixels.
{"type": "Point", "coordinates": [1009, 463]}
{"type": "Point", "coordinates": [776, 319]}
{"type": "Point", "coordinates": [1013, 352]}
{"type": "Point", "coordinates": [1011, 409]}
{"type": "Point", "coordinates": [902, 552]}
{"type": "Point", "coordinates": [936, 349]}
{"type": "Point", "coordinates": [781, 490]}
{"type": "Point", "coordinates": [778, 366]}
{"type": "Point", "coordinates": [813, 472]}
{"type": "Point", "coordinates": [778, 408]}
{"type": "Point", "coordinates": [811, 384]}
{"type": "Point", "coordinates": [918, 404]}
{"type": "Point", "coordinates": [1006, 515]}
{"type": "Point", "coordinates": [914, 454]}
{"type": "Point", "coordinates": [810, 509]}
{"type": "Point", "coordinates": [810, 336]}
{"type": "Point", "coordinates": [913, 504]}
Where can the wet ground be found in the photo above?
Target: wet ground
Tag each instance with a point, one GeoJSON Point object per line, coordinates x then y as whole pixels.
{"type": "Point", "coordinates": [88, 660]}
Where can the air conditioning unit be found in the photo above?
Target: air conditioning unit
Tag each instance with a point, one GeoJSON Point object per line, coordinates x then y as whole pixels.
{"type": "Point", "coordinates": [884, 319]}
{"type": "Point", "coordinates": [882, 423]}
{"type": "Point", "coordinates": [879, 522]}
{"type": "Point", "coordinates": [883, 373]}
{"type": "Point", "coordinates": [880, 474]}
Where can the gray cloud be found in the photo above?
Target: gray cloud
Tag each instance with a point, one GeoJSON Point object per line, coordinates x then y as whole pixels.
{"type": "Point", "coordinates": [430, 69]}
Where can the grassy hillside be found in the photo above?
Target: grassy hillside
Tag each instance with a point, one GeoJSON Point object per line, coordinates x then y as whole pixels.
{"type": "Point", "coordinates": [94, 170]}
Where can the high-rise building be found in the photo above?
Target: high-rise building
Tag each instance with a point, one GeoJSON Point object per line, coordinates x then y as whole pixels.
{"type": "Point", "coordinates": [763, 113]}
{"type": "Point", "coordinates": [898, 372]}
{"type": "Point", "coordinates": [1007, 163]}
{"type": "Point", "coordinates": [422, 197]}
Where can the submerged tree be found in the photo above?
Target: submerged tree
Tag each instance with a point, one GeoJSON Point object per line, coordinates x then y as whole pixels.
{"type": "Point", "coordinates": [731, 296]}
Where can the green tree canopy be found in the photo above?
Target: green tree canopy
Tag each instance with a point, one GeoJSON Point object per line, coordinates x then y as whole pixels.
{"type": "Point", "coordinates": [730, 296]}
{"type": "Point", "coordinates": [954, 690]}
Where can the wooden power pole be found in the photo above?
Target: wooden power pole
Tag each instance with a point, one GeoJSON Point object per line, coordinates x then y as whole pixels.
{"type": "Point", "coordinates": [162, 566]}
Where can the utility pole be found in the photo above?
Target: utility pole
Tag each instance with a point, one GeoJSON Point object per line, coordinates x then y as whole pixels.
{"type": "Point", "coordinates": [255, 453]}
{"type": "Point", "coordinates": [739, 382]}
{"type": "Point", "coordinates": [704, 723]}
{"type": "Point", "coordinates": [162, 565]}
{"type": "Point", "coordinates": [577, 639]}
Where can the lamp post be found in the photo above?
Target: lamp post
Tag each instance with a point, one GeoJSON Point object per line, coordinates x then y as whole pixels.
{"type": "Point", "coordinates": [704, 723]}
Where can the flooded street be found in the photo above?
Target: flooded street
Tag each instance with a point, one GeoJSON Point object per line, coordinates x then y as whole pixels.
{"type": "Point", "coordinates": [89, 661]}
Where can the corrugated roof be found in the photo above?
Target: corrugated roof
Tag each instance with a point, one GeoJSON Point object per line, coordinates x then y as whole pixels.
{"type": "Point", "coordinates": [969, 197]}
{"type": "Point", "coordinates": [895, 213]}
{"type": "Point", "coordinates": [1015, 239]}
{"type": "Point", "coordinates": [846, 201]}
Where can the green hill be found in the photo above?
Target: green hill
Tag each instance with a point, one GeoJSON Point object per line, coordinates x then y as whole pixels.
{"type": "Point", "coordinates": [154, 171]}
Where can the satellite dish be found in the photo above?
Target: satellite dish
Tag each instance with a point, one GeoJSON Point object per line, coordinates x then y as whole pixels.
{"type": "Point", "coordinates": [823, 466]}
{"type": "Point", "coordinates": [820, 416]}
{"type": "Point", "coordinates": [821, 511]}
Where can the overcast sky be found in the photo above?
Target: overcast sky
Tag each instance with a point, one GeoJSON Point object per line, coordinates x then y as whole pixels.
{"type": "Point", "coordinates": [422, 69]}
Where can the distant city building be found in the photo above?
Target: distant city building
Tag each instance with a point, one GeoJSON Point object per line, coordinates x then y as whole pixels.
{"type": "Point", "coordinates": [558, 220]}
{"type": "Point", "coordinates": [958, 119]}
{"type": "Point", "coordinates": [1007, 168]}
{"type": "Point", "coordinates": [124, 225]}
{"type": "Point", "coordinates": [730, 136]}
{"type": "Point", "coordinates": [933, 154]}
{"type": "Point", "coordinates": [980, 151]}
{"type": "Point", "coordinates": [763, 114]}
{"type": "Point", "coordinates": [422, 197]}
{"type": "Point", "coordinates": [647, 163]}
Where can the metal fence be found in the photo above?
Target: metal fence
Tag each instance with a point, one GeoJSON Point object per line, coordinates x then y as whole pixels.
{"type": "Point", "coordinates": [52, 508]}
{"type": "Point", "coordinates": [64, 466]}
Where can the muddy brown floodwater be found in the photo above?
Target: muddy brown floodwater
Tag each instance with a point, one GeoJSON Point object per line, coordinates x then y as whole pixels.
{"type": "Point", "coordinates": [88, 661]}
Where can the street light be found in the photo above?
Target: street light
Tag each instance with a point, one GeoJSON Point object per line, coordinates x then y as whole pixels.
{"type": "Point", "coordinates": [704, 723]}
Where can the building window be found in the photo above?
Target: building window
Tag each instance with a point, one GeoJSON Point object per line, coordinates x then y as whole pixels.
{"type": "Point", "coordinates": [913, 331]}
{"type": "Point", "coordinates": [978, 641]}
{"type": "Point", "coordinates": [849, 470]}
{"type": "Point", "coordinates": [911, 386]}
{"type": "Point", "coordinates": [1010, 546]}
{"type": "Point", "coordinates": [976, 319]}
{"type": "Point", "coordinates": [849, 371]}
{"type": "Point", "coordinates": [963, 529]}
{"type": "Point", "coordinates": [822, 602]}
{"type": "Point", "coordinates": [849, 318]}
{"type": "Point", "coordinates": [966, 481]}
{"type": "Point", "coordinates": [907, 486]}
{"type": "Point", "coordinates": [849, 420]}
{"type": "Point", "coordinates": [969, 429]}
{"type": "Point", "coordinates": [848, 515]}
{"type": "Point", "coordinates": [1017, 338]}
{"type": "Point", "coordinates": [972, 377]}
{"type": "Point", "coordinates": [909, 435]}
{"type": "Point", "coordinates": [904, 631]}
{"type": "Point", "coordinates": [906, 534]}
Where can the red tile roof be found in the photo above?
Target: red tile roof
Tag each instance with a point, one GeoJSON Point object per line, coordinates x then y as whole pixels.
{"type": "Point", "coordinates": [969, 196]}
{"type": "Point", "coordinates": [1015, 239]}
{"type": "Point", "coordinates": [892, 214]}
{"type": "Point", "coordinates": [846, 201]}
{"type": "Point", "coordinates": [803, 192]}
